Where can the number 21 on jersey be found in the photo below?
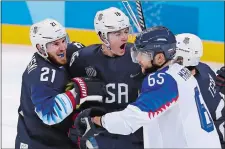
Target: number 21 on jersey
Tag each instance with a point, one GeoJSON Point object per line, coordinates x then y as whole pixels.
{"type": "Point", "coordinates": [45, 75]}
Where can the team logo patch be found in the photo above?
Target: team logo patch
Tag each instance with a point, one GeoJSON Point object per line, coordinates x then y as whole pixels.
{"type": "Point", "coordinates": [35, 30]}
{"type": "Point", "coordinates": [186, 40]}
{"type": "Point", "coordinates": [90, 71]}
{"type": "Point", "coordinates": [23, 146]}
{"type": "Point", "coordinates": [100, 17]}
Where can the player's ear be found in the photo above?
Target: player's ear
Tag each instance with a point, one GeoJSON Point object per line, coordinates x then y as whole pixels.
{"type": "Point", "coordinates": [160, 58]}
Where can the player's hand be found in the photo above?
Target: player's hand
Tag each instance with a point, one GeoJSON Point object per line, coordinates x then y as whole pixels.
{"type": "Point", "coordinates": [84, 125]}
{"type": "Point", "coordinates": [220, 79]}
{"type": "Point", "coordinates": [81, 143]}
{"type": "Point", "coordinates": [87, 92]}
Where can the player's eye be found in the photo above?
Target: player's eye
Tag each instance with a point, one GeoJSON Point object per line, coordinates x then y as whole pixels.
{"type": "Point", "coordinates": [126, 31]}
{"type": "Point", "coordinates": [56, 43]}
{"type": "Point", "coordinates": [118, 34]}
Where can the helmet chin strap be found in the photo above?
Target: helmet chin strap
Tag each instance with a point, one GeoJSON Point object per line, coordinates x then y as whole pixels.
{"type": "Point", "coordinates": [107, 44]}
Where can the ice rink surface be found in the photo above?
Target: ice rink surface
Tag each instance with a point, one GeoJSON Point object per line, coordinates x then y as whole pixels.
{"type": "Point", "coordinates": [14, 61]}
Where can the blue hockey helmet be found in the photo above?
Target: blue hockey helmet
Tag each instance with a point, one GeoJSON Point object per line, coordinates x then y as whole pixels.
{"type": "Point", "coordinates": [154, 40]}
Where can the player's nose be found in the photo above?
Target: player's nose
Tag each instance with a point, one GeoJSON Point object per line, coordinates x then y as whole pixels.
{"type": "Point", "coordinates": [124, 37]}
{"type": "Point", "coordinates": [62, 47]}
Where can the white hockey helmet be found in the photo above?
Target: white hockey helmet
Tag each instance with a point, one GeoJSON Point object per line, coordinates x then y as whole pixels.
{"type": "Point", "coordinates": [189, 48]}
{"type": "Point", "coordinates": [44, 32]}
{"type": "Point", "coordinates": [110, 20]}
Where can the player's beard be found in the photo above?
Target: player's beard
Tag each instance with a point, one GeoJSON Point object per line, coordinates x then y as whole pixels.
{"type": "Point", "coordinates": [154, 68]}
{"type": "Point", "coordinates": [57, 60]}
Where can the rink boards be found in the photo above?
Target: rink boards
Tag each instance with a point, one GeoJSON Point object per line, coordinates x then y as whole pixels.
{"type": "Point", "coordinates": [78, 18]}
{"type": "Point", "coordinates": [16, 34]}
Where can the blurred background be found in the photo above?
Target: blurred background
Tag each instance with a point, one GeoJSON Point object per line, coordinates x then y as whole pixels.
{"type": "Point", "coordinates": [205, 19]}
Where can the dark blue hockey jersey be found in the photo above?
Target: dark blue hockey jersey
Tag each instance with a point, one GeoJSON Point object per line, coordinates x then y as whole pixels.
{"type": "Point", "coordinates": [206, 80]}
{"type": "Point", "coordinates": [123, 79]}
{"type": "Point", "coordinates": [117, 72]}
{"type": "Point", "coordinates": [45, 110]}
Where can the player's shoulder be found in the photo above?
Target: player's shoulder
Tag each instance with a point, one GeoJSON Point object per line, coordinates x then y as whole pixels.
{"type": "Point", "coordinates": [159, 80]}
{"type": "Point", "coordinates": [39, 69]}
{"type": "Point", "coordinates": [205, 70]}
{"type": "Point", "coordinates": [73, 47]}
{"type": "Point", "coordinates": [204, 67]}
{"type": "Point", "coordinates": [90, 50]}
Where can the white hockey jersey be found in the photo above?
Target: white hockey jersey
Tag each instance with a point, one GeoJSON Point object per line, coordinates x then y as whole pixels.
{"type": "Point", "coordinates": [171, 110]}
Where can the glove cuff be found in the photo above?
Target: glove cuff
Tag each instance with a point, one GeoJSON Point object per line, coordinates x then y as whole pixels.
{"type": "Point", "coordinates": [80, 83]}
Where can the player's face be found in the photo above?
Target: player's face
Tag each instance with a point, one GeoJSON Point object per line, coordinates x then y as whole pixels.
{"type": "Point", "coordinates": [57, 51]}
{"type": "Point", "coordinates": [146, 61]}
{"type": "Point", "coordinates": [118, 41]}
{"type": "Point", "coordinates": [143, 61]}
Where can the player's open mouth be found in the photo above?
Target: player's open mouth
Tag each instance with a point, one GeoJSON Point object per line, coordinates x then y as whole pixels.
{"type": "Point", "coordinates": [122, 47]}
{"type": "Point", "coordinates": [61, 55]}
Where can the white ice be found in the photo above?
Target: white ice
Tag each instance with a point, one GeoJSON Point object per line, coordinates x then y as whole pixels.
{"type": "Point", "coordinates": [14, 61]}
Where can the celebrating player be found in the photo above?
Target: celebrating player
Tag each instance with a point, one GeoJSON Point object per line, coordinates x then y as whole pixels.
{"type": "Point", "coordinates": [112, 63]}
{"type": "Point", "coordinates": [45, 111]}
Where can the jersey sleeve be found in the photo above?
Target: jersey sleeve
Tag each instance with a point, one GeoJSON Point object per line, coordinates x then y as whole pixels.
{"type": "Point", "coordinates": [155, 99]}
{"type": "Point", "coordinates": [51, 105]}
{"type": "Point", "coordinates": [76, 62]}
{"type": "Point", "coordinates": [73, 47]}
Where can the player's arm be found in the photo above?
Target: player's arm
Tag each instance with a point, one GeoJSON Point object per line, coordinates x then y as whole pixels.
{"type": "Point", "coordinates": [53, 106]}
{"type": "Point", "coordinates": [220, 80]}
{"type": "Point", "coordinates": [159, 94]}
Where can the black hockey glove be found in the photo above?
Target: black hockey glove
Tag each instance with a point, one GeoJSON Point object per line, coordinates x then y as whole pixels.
{"type": "Point", "coordinates": [85, 128]}
{"type": "Point", "coordinates": [81, 143]}
{"type": "Point", "coordinates": [88, 92]}
{"type": "Point", "coordinates": [220, 79]}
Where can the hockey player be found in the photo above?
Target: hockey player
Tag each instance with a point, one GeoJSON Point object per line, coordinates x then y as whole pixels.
{"type": "Point", "coordinates": [170, 106]}
{"type": "Point", "coordinates": [189, 51]}
{"type": "Point", "coordinates": [45, 111]}
{"type": "Point", "coordinates": [112, 63]}
{"type": "Point", "coordinates": [220, 82]}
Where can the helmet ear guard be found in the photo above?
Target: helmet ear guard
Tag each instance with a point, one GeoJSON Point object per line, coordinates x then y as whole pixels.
{"type": "Point", "coordinates": [104, 39]}
{"type": "Point", "coordinates": [41, 50]}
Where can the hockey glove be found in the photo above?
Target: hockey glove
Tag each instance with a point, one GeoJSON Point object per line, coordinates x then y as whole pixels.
{"type": "Point", "coordinates": [90, 143]}
{"type": "Point", "coordinates": [220, 79]}
{"type": "Point", "coordinates": [84, 125]}
{"type": "Point", "coordinates": [87, 92]}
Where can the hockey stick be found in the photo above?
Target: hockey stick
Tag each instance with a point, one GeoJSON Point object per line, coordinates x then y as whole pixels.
{"type": "Point", "coordinates": [132, 15]}
{"type": "Point", "coordinates": [140, 15]}
{"type": "Point", "coordinates": [139, 24]}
